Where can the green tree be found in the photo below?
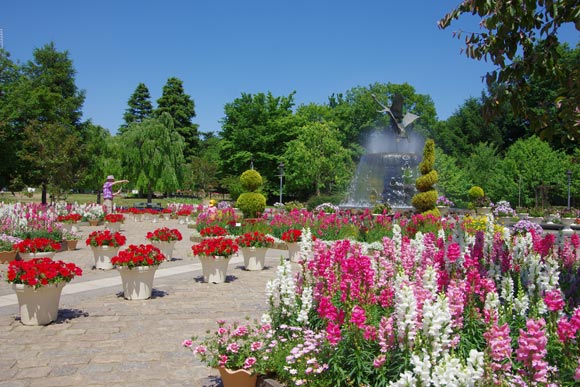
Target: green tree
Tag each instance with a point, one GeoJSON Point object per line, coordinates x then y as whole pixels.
{"type": "Point", "coordinates": [97, 152]}
{"type": "Point", "coordinates": [482, 167]}
{"type": "Point", "coordinates": [317, 161]}
{"type": "Point", "coordinates": [521, 39]}
{"type": "Point", "coordinates": [537, 169]}
{"type": "Point", "coordinates": [256, 129]}
{"type": "Point", "coordinates": [153, 155]}
{"type": "Point", "coordinates": [9, 75]}
{"type": "Point", "coordinates": [140, 107]}
{"type": "Point", "coordinates": [453, 180]}
{"type": "Point", "coordinates": [46, 110]}
{"type": "Point", "coordinates": [181, 108]}
{"type": "Point", "coordinates": [202, 174]}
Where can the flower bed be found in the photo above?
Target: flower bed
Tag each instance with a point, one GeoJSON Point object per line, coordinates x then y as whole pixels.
{"type": "Point", "coordinates": [39, 272]}
{"type": "Point", "coordinates": [37, 245]}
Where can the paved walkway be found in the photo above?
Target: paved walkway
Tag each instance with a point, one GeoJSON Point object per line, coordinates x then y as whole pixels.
{"type": "Point", "coordinates": [101, 339]}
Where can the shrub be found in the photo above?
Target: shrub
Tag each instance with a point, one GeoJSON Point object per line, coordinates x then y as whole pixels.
{"type": "Point", "coordinates": [426, 199]}
{"type": "Point", "coordinates": [475, 193]}
{"type": "Point", "coordinates": [251, 204]}
{"type": "Point", "coordinates": [315, 201]}
{"type": "Point", "coordinates": [251, 180]}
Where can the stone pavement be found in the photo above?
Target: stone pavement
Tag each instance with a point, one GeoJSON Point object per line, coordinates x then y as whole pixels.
{"type": "Point", "coordinates": [101, 339]}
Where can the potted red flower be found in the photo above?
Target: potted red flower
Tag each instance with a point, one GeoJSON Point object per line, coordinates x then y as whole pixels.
{"type": "Point", "coordinates": [137, 265]}
{"type": "Point", "coordinates": [164, 239]}
{"type": "Point", "coordinates": [254, 246]}
{"type": "Point", "coordinates": [292, 238]}
{"type": "Point", "coordinates": [214, 254]}
{"type": "Point", "coordinates": [105, 244]}
{"type": "Point", "coordinates": [38, 284]}
{"type": "Point", "coordinates": [113, 221]}
{"type": "Point", "coordinates": [37, 248]}
{"type": "Point", "coordinates": [213, 231]}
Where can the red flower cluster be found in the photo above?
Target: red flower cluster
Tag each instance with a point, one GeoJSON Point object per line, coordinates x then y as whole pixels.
{"type": "Point", "coordinates": [164, 234]}
{"type": "Point", "coordinates": [213, 231]}
{"type": "Point", "coordinates": [142, 255]}
{"type": "Point", "coordinates": [292, 236]}
{"type": "Point", "coordinates": [255, 239]}
{"type": "Point", "coordinates": [105, 238]}
{"type": "Point", "coordinates": [41, 271]}
{"type": "Point", "coordinates": [184, 212]}
{"type": "Point", "coordinates": [114, 218]}
{"type": "Point", "coordinates": [167, 211]}
{"type": "Point", "coordinates": [70, 218]}
{"type": "Point", "coordinates": [36, 245]}
{"type": "Point", "coordinates": [218, 246]}
{"type": "Point", "coordinates": [134, 211]}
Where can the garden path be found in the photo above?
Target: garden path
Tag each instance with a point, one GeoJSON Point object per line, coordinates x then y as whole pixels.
{"type": "Point", "coordinates": [101, 339]}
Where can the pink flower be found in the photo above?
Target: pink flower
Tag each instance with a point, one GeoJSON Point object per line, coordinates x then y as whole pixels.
{"type": "Point", "coordinates": [553, 300]}
{"type": "Point", "coordinates": [200, 349]}
{"type": "Point", "coordinates": [532, 350]}
{"type": "Point", "coordinates": [249, 362]}
{"type": "Point", "coordinates": [453, 252]}
{"type": "Point", "coordinates": [256, 345]}
{"type": "Point", "coordinates": [223, 359]}
{"type": "Point", "coordinates": [379, 361]}
{"type": "Point", "coordinates": [187, 343]}
{"type": "Point", "coordinates": [358, 317]}
{"type": "Point", "coordinates": [577, 373]}
{"type": "Point", "coordinates": [333, 333]}
{"type": "Point", "coordinates": [233, 347]}
{"type": "Point", "coordinates": [240, 331]}
{"type": "Point", "coordinates": [566, 331]}
{"type": "Point", "coordinates": [499, 342]}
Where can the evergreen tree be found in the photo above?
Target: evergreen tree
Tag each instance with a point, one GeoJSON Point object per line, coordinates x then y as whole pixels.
{"type": "Point", "coordinates": [140, 107]}
{"type": "Point", "coordinates": [181, 108]}
{"type": "Point", "coordinates": [426, 199]}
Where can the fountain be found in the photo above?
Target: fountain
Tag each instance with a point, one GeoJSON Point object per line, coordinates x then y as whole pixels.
{"type": "Point", "coordinates": [387, 172]}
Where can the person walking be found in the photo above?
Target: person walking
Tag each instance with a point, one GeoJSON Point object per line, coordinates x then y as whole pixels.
{"type": "Point", "coordinates": [108, 193]}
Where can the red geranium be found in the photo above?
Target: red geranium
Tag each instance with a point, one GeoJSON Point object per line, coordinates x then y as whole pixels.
{"type": "Point", "coordinates": [255, 239]}
{"type": "Point", "coordinates": [167, 210]}
{"type": "Point", "coordinates": [213, 231]}
{"type": "Point", "coordinates": [106, 238]}
{"type": "Point", "coordinates": [141, 255]}
{"type": "Point", "coordinates": [70, 218]}
{"type": "Point", "coordinates": [184, 212]}
{"type": "Point", "coordinates": [292, 236]}
{"type": "Point", "coordinates": [38, 272]}
{"type": "Point", "coordinates": [164, 234]}
{"type": "Point", "coordinates": [218, 246]}
{"type": "Point", "coordinates": [37, 245]}
{"type": "Point", "coordinates": [114, 218]}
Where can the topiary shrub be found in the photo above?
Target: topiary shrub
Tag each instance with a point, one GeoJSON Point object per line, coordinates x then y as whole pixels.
{"type": "Point", "coordinates": [475, 193]}
{"type": "Point", "coordinates": [426, 199]}
{"type": "Point", "coordinates": [252, 204]}
{"type": "Point", "coordinates": [251, 180]}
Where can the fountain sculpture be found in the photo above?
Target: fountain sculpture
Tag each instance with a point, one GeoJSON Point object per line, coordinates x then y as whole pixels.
{"type": "Point", "coordinates": [387, 172]}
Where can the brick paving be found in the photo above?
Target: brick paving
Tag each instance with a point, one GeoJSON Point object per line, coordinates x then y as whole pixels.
{"type": "Point", "coordinates": [101, 339]}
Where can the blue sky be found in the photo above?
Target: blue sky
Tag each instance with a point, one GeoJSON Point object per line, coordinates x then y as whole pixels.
{"type": "Point", "coordinates": [220, 49]}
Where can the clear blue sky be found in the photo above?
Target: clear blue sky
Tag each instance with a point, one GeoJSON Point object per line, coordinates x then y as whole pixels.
{"type": "Point", "coordinates": [220, 49]}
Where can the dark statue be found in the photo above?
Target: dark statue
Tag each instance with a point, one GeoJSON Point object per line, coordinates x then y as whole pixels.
{"type": "Point", "coordinates": [399, 123]}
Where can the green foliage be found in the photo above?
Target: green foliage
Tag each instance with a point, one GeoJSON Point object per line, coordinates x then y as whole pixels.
{"type": "Point", "coordinates": [475, 193]}
{"type": "Point", "coordinates": [426, 198]}
{"type": "Point", "coordinates": [522, 43]}
{"type": "Point", "coordinates": [251, 180]}
{"type": "Point", "coordinates": [453, 181]}
{"type": "Point", "coordinates": [315, 201]}
{"type": "Point", "coordinates": [139, 109]}
{"type": "Point", "coordinates": [153, 155]}
{"type": "Point", "coordinates": [252, 204]}
{"type": "Point", "coordinates": [425, 201]}
{"type": "Point", "coordinates": [181, 109]}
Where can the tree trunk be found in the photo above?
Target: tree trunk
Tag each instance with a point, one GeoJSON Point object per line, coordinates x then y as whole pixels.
{"type": "Point", "coordinates": [149, 194]}
{"type": "Point", "coordinates": [43, 194]}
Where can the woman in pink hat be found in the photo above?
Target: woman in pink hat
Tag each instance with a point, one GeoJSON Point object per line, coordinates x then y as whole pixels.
{"type": "Point", "coordinates": [108, 193]}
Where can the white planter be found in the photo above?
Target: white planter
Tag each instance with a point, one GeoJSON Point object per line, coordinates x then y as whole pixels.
{"type": "Point", "coordinates": [443, 210]}
{"type": "Point", "coordinates": [103, 255]}
{"type": "Point", "coordinates": [166, 216]}
{"type": "Point", "coordinates": [113, 227]}
{"type": "Point", "coordinates": [254, 257]}
{"type": "Point", "coordinates": [294, 251]}
{"type": "Point", "coordinates": [137, 281]}
{"type": "Point", "coordinates": [38, 306]}
{"type": "Point", "coordinates": [29, 256]}
{"type": "Point", "coordinates": [214, 268]}
{"type": "Point", "coordinates": [165, 247]}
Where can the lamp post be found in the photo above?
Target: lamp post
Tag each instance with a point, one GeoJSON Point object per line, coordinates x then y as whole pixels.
{"type": "Point", "coordinates": [569, 173]}
{"type": "Point", "coordinates": [281, 167]}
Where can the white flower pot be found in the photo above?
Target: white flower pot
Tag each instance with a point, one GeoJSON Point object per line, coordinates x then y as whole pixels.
{"type": "Point", "coordinates": [40, 254]}
{"type": "Point", "coordinates": [254, 257]}
{"type": "Point", "coordinates": [214, 268]}
{"type": "Point", "coordinates": [137, 281]}
{"type": "Point", "coordinates": [294, 251]}
{"type": "Point", "coordinates": [103, 255]}
{"type": "Point", "coordinates": [165, 247]}
{"type": "Point", "coordinates": [38, 306]}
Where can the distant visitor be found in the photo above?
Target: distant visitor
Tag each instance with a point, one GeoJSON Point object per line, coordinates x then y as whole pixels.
{"type": "Point", "coordinates": [108, 193]}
